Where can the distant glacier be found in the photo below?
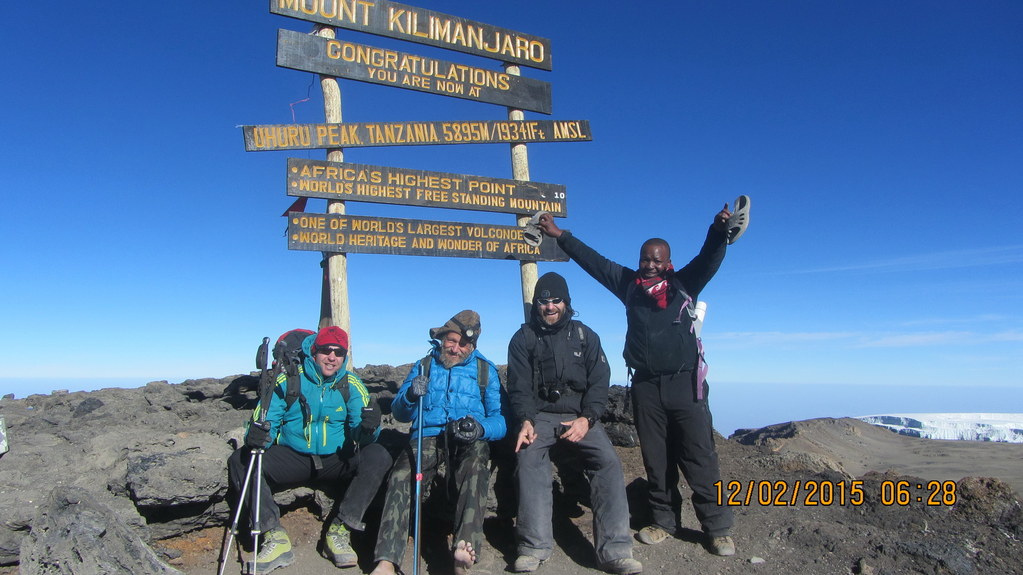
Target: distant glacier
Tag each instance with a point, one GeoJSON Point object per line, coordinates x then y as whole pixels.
{"type": "Point", "coordinates": [1003, 427]}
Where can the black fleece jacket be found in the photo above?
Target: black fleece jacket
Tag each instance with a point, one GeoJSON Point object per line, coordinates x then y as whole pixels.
{"type": "Point", "coordinates": [582, 379]}
{"type": "Point", "coordinates": [658, 341]}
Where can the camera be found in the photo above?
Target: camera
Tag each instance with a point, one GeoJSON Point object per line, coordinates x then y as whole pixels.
{"type": "Point", "coordinates": [551, 395]}
{"type": "Point", "coordinates": [466, 425]}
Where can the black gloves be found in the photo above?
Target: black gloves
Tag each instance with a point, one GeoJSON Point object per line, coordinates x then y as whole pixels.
{"type": "Point", "coordinates": [417, 389]}
{"type": "Point", "coordinates": [465, 430]}
{"type": "Point", "coordinates": [258, 435]}
{"type": "Point", "coordinates": [370, 418]}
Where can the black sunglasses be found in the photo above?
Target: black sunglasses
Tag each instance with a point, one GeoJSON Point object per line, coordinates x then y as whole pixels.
{"type": "Point", "coordinates": [338, 351]}
{"type": "Point", "coordinates": [549, 300]}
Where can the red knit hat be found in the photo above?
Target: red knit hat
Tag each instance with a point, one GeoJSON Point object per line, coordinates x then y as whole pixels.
{"type": "Point", "coordinates": [331, 335]}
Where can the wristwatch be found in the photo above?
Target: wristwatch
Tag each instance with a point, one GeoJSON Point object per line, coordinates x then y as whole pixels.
{"type": "Point", "coordinates": [592, 421]}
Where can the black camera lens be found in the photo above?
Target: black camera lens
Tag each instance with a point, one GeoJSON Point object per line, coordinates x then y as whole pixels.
{"type": "Point", "coordinates": [553, 395]}
{"type": "Point", "coordinates": [465, 425]}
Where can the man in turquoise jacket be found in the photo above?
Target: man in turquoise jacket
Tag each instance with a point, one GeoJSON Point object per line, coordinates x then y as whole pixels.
{"type": "Point", "coordinates": [460, 392]}
{"type": "Point", "coordinates": [326, 436]}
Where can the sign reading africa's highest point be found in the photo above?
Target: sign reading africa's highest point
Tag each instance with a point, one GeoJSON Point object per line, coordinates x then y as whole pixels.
{"type": "Point", "coordinates": [367, 134]}
{"type": "Point", "coordinates": [368, 235]}
{"type": "Point", "coordinates": [410, 71]}
{"type": "Point", "coordinates": [394, 20]}
{"type": "Point", "coordinates": [404, 186]}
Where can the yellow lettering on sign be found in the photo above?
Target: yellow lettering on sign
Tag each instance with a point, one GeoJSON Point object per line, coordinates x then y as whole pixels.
{"type": "Point", "coordinates": [477, 200]}
{"type": "Point", "coordinates": [356, 11]}
{"type": "Point", "coordinates": [458, 33]}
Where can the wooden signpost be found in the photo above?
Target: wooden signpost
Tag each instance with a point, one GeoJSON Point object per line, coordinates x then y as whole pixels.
{"type": "Point", "coordinates": [370, 235]}
{"type": "Point", "coordinates": [387, 185]}
{"type": "Point", "coordinates": [336, 233]}
{"type": "Point", "coordinates": [403, 70]}
{"type": "Point", "coordinates": [422, 26]}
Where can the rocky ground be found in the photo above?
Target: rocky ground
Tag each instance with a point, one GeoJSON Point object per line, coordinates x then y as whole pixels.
{"type": "Point", "coordinates": [832, 525]}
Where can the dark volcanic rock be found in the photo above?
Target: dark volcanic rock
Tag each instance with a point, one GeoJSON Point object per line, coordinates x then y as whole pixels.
{"type": "Point", "coordinates": [115, 467]}
{"type": "Point", "coordinates": [72, 533]}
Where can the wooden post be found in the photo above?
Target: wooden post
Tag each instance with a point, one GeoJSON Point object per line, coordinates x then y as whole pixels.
{"type": "Point", "coordinates": [334, 304]}
{"type": "Point", "coordinates": [520, 171]}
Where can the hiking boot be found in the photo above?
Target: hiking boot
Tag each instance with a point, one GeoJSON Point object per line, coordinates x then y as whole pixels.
{"type": "Point", "coordinates": [623, 566]}
{"type": "Point", "coordinates": [723, 546]}
{"type": "Point", "coordinates": [526, 564]}
{"type": "Point", "coordinates": [652, 535]}
{"type": "Point", "coordinates": [275, 551]}
{"type": "Point", "coordinates": [337, 546]}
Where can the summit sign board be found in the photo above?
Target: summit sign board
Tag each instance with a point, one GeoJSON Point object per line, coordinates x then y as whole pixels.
{"type": "Point", "coordinates": [369, 235]}
{"type": "Point", "coordinates": [403, 186]}
{"type": "Point", "coordinates": [422, 26]}
{"type": "Point", "coordinates": [268, 137]}
{"type": "Point", "coordinates": [403, 70]}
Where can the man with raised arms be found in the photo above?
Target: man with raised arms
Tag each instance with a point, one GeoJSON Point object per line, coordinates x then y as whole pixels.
{"type": "Point", "coordinates": [669, 391]}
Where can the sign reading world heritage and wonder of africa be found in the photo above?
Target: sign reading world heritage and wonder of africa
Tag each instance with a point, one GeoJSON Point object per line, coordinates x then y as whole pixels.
{"type": "Point", "coordinates": [387, 185]}
{"type": "Point", "coordinates": [365, 134]}
{"type": "Point", "coordinates": [410, 71]}
{"type": "Point", "coordinates": [422, 26]}
{"type": "Point", "coordinates": [369, 235]}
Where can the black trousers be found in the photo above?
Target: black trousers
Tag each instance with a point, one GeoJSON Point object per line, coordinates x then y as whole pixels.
{"type": "Point", "coordinates": [283, 467]}
{"type": "Point", "coordinates": [676, 432]}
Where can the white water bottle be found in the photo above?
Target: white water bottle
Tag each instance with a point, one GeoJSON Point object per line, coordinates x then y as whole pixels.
{"type": "Point", "coordinates": [701, 312]}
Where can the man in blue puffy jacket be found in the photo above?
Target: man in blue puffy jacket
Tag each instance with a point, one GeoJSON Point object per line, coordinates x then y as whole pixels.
{"type": "Point", "coordinates": [460, 392]}
{"type": "Point", "coordinates": [326, 436]}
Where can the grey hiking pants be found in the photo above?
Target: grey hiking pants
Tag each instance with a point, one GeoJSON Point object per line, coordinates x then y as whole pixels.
{"type": "Point", "coordinates": [612, 538]}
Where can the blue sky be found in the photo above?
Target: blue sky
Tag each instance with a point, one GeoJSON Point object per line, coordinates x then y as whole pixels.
{"type": "Point", "coordinates": [881, 144]}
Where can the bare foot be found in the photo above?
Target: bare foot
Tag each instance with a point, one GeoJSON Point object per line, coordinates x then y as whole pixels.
{"type": "Point", "coordinates": [465, 557]}
{"type": "Point", "coordinates": [383, 568]}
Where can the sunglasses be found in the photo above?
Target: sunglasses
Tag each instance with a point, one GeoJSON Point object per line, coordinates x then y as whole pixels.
{"type": "Point", "coordinates": [549, 301]}
{"type": "Point", "coordinates": [337, 351]}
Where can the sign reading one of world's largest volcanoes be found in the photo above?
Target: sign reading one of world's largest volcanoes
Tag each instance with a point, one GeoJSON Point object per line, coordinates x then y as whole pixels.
{"type": "Point", "coordinates": [369, 235]}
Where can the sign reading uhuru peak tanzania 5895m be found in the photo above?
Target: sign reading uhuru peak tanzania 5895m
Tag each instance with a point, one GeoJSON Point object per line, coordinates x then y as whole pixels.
{"type": "Point", "coordinates": [403, 70]}
{"type": "Point", "coordinates": [423, 26]}
{"type": "Point", "coordinates": [368, 134]}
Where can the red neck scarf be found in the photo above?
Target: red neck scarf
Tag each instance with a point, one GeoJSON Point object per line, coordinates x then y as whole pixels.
{"type": "Point", "coordinates": [656, 287]}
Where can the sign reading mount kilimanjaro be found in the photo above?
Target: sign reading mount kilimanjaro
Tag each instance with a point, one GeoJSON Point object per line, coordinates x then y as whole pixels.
{"type": "Point", "coordinates": [422, 26]}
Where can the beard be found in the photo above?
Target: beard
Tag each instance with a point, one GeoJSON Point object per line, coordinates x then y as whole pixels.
{"type": "Point", "coordinates": [449, 360]}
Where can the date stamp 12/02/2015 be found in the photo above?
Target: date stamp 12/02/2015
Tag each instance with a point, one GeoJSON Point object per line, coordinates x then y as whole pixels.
{"type": "Point", "coordinates": [810, 493]}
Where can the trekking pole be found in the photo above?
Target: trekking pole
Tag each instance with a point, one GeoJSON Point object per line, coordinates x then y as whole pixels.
{"type": "Point", "coordinates": [419, 488]}
{"type": "Point", "coordinates": [255, 462]}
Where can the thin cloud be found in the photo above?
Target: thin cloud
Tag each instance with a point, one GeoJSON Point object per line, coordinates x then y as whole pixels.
{"type": "Point", "coordinates": [866, 339]}
{"type": "Point", "coordinates": [994, 256]}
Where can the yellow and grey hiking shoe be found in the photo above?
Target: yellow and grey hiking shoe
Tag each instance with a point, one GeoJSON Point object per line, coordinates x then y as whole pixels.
{"type": "Point", "coordinates": [337, 546]}
{"type": "Point", "coordinates": [723, 546]}
{"type": "Point", "coordinates": [274, 551]}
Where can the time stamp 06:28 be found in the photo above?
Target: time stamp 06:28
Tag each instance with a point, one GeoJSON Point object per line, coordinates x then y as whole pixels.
{"type": "Point", "coordinates": [824, 493]}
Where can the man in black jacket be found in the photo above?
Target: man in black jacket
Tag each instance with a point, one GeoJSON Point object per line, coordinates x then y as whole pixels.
{"type": "Point", "coordinates": [557, 386]}
{"type": "Point", "coordinates": [669, 390]}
